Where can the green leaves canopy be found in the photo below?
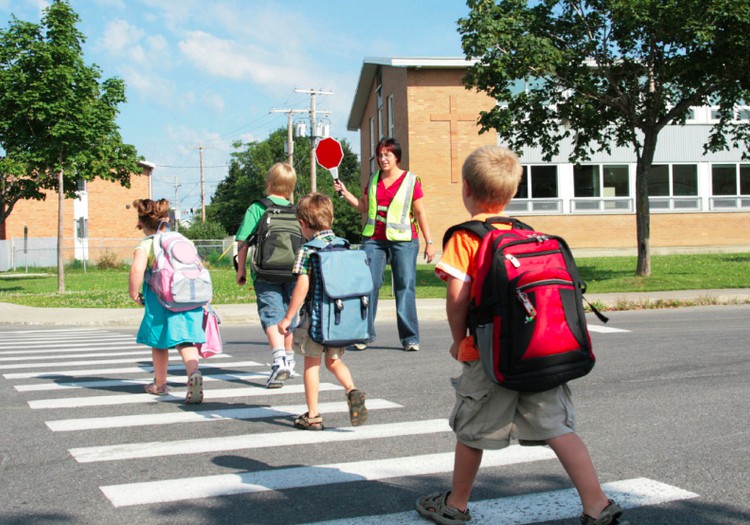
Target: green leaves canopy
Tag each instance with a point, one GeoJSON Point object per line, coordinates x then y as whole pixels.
{"type": "Point", "coordinates": [55, 114]}
{"type": "Point", "coordinates": [246, 182]}
{"type": "Point", "coordinates": [600, 72]}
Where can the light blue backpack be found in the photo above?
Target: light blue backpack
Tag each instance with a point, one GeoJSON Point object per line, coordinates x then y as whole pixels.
{"type": "Point", "coordinates": [340, 288]}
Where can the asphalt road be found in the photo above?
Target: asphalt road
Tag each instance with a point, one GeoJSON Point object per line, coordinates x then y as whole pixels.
{"type": "Point", "coordinates": [664, 414]}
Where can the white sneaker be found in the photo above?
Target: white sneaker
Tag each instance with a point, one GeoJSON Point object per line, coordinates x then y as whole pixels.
{"type": "Point", "coordinates": [291, 363]}
{"type": "Point", "coordinates": [279, 373]}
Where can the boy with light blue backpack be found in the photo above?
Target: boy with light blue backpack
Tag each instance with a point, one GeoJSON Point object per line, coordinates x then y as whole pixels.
{"type": "Point", "coordinates": [316, 334]}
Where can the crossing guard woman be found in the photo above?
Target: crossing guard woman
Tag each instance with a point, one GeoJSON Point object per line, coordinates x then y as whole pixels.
{"type": "Point", "coordinates": [393, 205]}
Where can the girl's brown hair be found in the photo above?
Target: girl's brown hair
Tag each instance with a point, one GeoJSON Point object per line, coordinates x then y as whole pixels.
{"type": "Point", "coordinates": [151, 213]}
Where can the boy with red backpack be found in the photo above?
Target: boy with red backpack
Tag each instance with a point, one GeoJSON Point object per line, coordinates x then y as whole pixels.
{"type": "Point", "coordinates": [490, 178]}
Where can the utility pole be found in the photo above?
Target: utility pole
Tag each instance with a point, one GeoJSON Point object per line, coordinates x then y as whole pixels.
{"type": "Point", "coordinates": [313, 131]}
{"type": "Point", "coordinates": [289, 132]}
{"type": "Point", "coordinates": [176, 205]}
{"type": "Point", "coordinates": [203, 186]}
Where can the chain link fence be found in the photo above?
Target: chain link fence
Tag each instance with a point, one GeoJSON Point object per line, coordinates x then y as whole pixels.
{"type": "Point", "coordinates": [22, 254]}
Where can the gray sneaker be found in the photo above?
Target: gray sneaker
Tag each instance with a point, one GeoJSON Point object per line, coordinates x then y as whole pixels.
{"type": "Point", "coordinates": [279, 373]}
{"type": "Point", "coordinates": [411, 347]}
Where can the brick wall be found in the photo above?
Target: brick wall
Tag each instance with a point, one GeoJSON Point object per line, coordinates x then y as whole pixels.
{"type": "Point", "coordinates": [111, 224]}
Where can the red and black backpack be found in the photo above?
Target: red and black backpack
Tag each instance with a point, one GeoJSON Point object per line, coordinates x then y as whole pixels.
{"type": "Point", "coordinates": [526, 308]}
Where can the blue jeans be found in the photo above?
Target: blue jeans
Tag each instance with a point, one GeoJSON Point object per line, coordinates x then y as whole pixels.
{"type": "Point", "coordinates": [272, 300]}
{"type": "Point", "coordinates": [402, 256]}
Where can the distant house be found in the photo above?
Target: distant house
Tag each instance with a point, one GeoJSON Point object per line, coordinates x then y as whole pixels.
{"type": "Point", "coordinates": [699, 202]}
{"type": "Point", "coordinates": [100, 220]}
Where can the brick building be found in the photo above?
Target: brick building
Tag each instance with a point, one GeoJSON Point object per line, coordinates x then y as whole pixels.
{"type": "Point", "coordinates": [423, 103]}
{"type": "Point", "coordinates": [100, 220]}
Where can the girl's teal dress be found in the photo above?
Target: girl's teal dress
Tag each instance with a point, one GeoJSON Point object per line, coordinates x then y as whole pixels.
{"type": "Point", "coordinates": [162, 328]}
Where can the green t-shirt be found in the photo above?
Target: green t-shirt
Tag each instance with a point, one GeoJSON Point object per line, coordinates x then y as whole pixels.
{"type": "Point", "coordinates": [252, 218]}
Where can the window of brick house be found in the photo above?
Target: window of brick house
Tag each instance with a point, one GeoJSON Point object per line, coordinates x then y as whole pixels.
{"type": "Point", "coordinates": [537, 191]}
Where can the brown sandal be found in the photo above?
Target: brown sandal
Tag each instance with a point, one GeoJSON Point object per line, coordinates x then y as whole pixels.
{"type": "Point", "coordinates": [305, 422]}
{"type": "Point", "coordinates": [194, 393]}
{"type": "Point", "coordinates": [162, 390]}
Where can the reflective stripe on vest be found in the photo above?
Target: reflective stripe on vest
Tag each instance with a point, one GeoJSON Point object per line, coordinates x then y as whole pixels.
{"type": "Point", "coordinates": [398, 213]}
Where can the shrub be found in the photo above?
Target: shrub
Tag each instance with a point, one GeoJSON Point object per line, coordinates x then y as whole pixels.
{"type": "Point", "coordinates": [109, 261]}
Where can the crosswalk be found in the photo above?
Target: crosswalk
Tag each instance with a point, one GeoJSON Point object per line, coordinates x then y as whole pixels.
{"type": "Point", "coordinates": [101, 413]}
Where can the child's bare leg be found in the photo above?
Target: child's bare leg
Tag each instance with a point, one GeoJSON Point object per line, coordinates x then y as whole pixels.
{"type": "Point", "coordinates": [189, 356]}
{"type": "Point", "coordinates": [275, 339]}
{"type": "Point", "coordinates": [312, 385]}
{"type": "Point", "coordinates": [465, 467]}
{"type": "Point", "coordinates": [160, 357]}
{"type": "Point", "coordinates": [288, 338]}
{"type": "Point", "coordinates": [575, 459]}
{"type": "Point", "coordinates": [341, 373]}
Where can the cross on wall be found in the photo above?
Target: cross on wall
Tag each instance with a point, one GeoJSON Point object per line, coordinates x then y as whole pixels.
{"type": "Point", "coordinates": [453, 117]}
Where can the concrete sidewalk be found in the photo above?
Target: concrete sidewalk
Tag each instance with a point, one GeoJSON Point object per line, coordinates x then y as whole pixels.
{"type": "Point", "coordinates": [429, 309]}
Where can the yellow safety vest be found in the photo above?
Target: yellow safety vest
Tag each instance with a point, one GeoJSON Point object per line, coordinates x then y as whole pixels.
{"type": "Point", "coordinates": [397, 214]}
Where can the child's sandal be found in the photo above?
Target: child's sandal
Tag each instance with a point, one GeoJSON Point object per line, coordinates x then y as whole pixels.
{"type": "Point", "coordinates": [162, 390]}
{"type": "Point", "coordinates": [305, 422]}
{"type": "Point", "coordinates": [194, 395]}
{"type": "Point", "coordinates": [436, 508]}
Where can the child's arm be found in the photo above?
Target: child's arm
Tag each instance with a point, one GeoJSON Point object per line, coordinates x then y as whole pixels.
{"type": "Point", "coordinates": [137, 270]}
{"type": "Point", "coordinates": [457, 309]}
{"type": "Point", "coordinates": [295, 303]}
{"type": "Point", "coordinates": [241, 262]}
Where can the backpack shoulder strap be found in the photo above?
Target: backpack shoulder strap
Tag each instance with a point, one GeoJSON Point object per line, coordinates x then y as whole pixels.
{"type": "Point", "coordinates": [315, 243]}
{"type": "Point", "coordinates": [319, 244]}
{"type": "Point", "coordinates": [482, 228]}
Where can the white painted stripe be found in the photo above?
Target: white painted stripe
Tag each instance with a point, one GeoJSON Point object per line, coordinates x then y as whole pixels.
{"type": "Point", "coordinates": [114, 383]}
{"type": "Point", "coordinates": [56, 342]}
{"type": "Point", "coordinates": [30, 332]}
{"type": "Point", "coordinates": [95, 362]}
{"type": "Point", "coordinates": [104, 353]}
{"type": "Point", "coordinates": [205, 416]}
{"type": "Point", "coordinates": [286, 478]}
{"type": "Point", "coordinates": [605, 329]}
{"type": "Point", "coordinates": [176, 395]}
{"type": "Point", "coordinates": [542, 506]}
{"type": "Point", "coordinates": [146, 368]}
{"type": "Point", "coordinates": [75, 348]}
{"type": "Point", "coordinates": [256, 441]}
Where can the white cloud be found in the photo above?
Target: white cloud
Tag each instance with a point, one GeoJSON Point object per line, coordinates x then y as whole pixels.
{"type": "Point", "coordinates": [241, 62]}
{"type": "Point", "coordinates": [214, 102]}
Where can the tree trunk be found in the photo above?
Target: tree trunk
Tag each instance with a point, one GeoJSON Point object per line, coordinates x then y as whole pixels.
{"type": "Point", "coordinates": [642, 208]}
{"type": "Point", "coordinates": [60, 229]}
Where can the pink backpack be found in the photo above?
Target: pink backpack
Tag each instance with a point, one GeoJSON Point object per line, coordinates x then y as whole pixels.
{"type": "Point", "coordinates": [178, 277]}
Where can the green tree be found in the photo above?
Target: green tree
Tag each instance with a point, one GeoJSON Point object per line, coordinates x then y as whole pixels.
{"type": "Point", "coordinates": [609, 72]}
{"type": "Point", "coordinates": [57, 120]}
{"type": "Point", "coordinates": [246, 182]}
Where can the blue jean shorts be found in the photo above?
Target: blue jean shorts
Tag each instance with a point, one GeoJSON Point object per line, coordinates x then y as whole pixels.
{"type": "Point", "coordinates": [273, 301]}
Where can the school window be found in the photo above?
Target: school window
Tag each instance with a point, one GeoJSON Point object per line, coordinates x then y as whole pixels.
{"type": "Point", "coordinates": [673, 187]}
{"type": "Point", "coordinates": [391, 124]}
{"type": "Point", "coordinates": [730, 186]}
{"type": "Point", "coordinates": [373, 144]}
{"type": "Point", "coordinates": [379, 94]}
{"type": "Point", "coordinates": [537, 191]}
{"type": "Point", "coordinates": [601, 187]}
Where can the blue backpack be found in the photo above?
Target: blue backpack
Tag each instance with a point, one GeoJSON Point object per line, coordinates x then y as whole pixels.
{"type": "Point", "coordinates": [340, 288]}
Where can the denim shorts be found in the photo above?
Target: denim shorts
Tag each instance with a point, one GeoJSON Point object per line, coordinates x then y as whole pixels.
{"type": "Point", "coordinates": [487, 416]}
{"type": "Point", "coordinates": [273, 301]}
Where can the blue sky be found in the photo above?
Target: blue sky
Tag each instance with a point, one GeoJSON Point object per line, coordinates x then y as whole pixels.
{"type": "Point", "coordinates": [209, 72]}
